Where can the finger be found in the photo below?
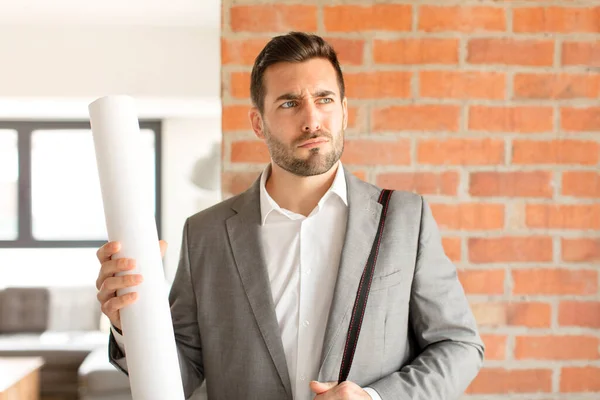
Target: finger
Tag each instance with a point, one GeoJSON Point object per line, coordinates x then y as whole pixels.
{"type": "Point", "coordinates": [105, 252]}
{"type": "Point", "coordinates": [112, 284]}
{"type": "Point", "coordinates": [321, 387]}
{"type": "Point", "coordinates": [111, 267]}
{"type": "Point", "coordinates": [163, 247]}
{"type": "Point", "coordinates": [111, 307]}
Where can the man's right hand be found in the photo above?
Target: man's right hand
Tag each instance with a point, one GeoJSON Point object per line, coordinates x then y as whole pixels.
{"type": "Point", "coordinates": [108, 283]}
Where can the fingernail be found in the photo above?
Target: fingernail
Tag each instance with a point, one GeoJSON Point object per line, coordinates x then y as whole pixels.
{"type": "Point", "coordinates": [131, 264]}
{"type": "Point", "coordinates": [139, 278]}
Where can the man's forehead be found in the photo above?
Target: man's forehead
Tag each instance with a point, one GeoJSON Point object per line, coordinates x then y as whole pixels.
{"type": "Point", "coordinates": [314, 76]}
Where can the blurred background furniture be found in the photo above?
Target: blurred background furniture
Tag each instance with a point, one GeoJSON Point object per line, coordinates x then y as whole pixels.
{"type": "Point", "coordinates": [63, 326]}
{"type": "Point", "coordinates": [99, 380]}
{"type": "Point", "coordinates": [20, 378]}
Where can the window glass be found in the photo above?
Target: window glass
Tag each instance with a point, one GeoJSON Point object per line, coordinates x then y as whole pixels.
{"type": "Point", "coordinates": [9, 189]}
{"type": "Point", "coordinates": [66, 198]}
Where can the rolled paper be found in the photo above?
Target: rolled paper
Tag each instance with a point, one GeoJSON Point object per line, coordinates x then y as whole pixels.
{"type": "Point", "coordinates": [150, 348]}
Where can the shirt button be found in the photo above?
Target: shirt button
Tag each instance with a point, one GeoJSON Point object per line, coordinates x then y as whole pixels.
{"type": "Point", "coordinates": [308, 271]}
{"type": "Point", "coordinates": [302, 378]}
{"type": "Point", "coordinates": [306, 323]}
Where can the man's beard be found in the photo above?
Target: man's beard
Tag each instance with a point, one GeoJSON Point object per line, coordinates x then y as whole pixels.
{"type": "Point", "coordinates": [316, 163]}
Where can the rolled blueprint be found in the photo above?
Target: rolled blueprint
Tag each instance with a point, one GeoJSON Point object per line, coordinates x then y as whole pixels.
{"type": "Point", "coordinates": [150, 347]}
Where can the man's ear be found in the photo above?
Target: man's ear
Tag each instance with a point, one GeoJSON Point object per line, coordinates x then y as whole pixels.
{"type": "Point", "coordinates": [257, 122]}
{"type": "Point", "coordinates": [345, 109]}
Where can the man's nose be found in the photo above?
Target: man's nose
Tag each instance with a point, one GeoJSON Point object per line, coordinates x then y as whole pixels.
{"type": "Point", "coordinates": [312, 119]}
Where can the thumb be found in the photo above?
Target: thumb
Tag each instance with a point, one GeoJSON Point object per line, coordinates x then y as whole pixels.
{"type": "Point", "coordinates": [321, 387]}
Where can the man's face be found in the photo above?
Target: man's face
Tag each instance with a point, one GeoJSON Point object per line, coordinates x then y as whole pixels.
{"type": "Point", "coordinates": [304, 118]}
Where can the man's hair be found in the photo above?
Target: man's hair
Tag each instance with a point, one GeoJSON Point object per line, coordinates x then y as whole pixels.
{"type": "Point", "coordinates": [293, 47]}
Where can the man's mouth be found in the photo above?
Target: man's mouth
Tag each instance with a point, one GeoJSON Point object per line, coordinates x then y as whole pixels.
{"type": "Point", "coordinates": [313, 142]}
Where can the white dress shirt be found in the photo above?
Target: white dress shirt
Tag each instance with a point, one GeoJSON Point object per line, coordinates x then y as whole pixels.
{"type": "Point", "coordinates": [302, 256]}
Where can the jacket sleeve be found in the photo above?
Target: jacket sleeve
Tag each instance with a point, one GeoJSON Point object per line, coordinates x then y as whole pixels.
{"type": "Point", "coordinates": [444, 326]}
{"type": "Point", "coordinates": [185, 321]}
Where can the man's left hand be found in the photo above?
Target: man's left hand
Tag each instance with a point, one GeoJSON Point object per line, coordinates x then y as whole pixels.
{"type": "Point", "coordinates": [332, 391]}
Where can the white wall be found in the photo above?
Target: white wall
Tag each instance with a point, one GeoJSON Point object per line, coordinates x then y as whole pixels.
{"type": "Point", "coordinates": [173, 72]}
{"type": "Point", "coordinates": [189, 149]}
{"type": "Point", "coordinates": [80, 61]}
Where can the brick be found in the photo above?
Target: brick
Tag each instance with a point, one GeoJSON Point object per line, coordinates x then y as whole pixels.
{"type": "Point", "coordinates": [579, 313]}
{"type": "Point", "coordinates": [572, 216]}
{"type": "Point", "coordinates": [522, 119]}
{"type": "Point", "coordinates": [511, 184]}
{"type": "Point", "coordinates": [378, 85]}
{"type": "Point", "coordinates": [580, 119]}
{"type": "Point", "coordinates": [444, 183]}
{"type": "Point", "coordinates": [505, 51]}
{"type": "Point", "coordinates": [360, 174]}
{"type": "Point", "coordinates": [489, 281]}
{"type": "Point", "coordinates": [370, 152]}
{"type": "Point", "coordinates": [554, 281]}
{"type": "Point", "coordinates": [581, 184]}
{"type": "Point", "coordinates": [273, 18]}
{"type": "Point", "coordinates": [510, 249]}
{"type": "Point", "coordinates": [236, 182]}
{"type": "Point", "coordinates": [240, 85]}
{"type": "Point", "coordinates": [580, 379]}
{"type": "Point", "coordinates": [556, 19]}
{"type": "Point", "coordinates": [556, 86]}
{"type": "Point", "coordinates": [461, 19]}
{"type": "Point", "coordinates": [460, 152]}
{"type": "Point", "coordinates": [580, 249]}
{"type": "Point", "coordinates": [349, 51]}
{"type": "Point", "coordinates": [352, 117]}
{"type": "Point", "coordinates": [462, 85]}
{"type": "Point", "coordinates": [381, 17]}
{"type": "Point", "coordinates": [495, 346]}
{"type": "Point", "coordinates": [249, 151]}
{"type": "Point", "coordinates": [530, 315]}
{"type": "Point", "coordinates": [416, 118]}
{"type": "Point", "coordinates": [506, 381]}
{"type": "Point", "coordinates": [452, 248]}
{"type": "Point", "coordinates": [555, 152]}
{"type": "Point", "coordinates": [241, 51]}
{"type": "Point", "coordinates": [565, 348]}
{"type": "Point", "coordinates": [235, 118]}
{"type": "Point", "coordinates": [416, 51]}
{"type": "Point", "coordinates": [469, 216]}
{"type": "Point", "coordinates": [581, 53]}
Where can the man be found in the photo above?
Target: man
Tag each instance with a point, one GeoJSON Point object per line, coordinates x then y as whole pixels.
{"type": "Point", "coordinates": [263, 294]}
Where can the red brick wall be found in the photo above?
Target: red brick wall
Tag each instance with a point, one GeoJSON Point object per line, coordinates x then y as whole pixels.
{"type": "Point", "coordinates": [490, 109]}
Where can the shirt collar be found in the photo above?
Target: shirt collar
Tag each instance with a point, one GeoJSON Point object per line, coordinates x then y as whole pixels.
{"type": "Point", "coordinates": [267, 204]}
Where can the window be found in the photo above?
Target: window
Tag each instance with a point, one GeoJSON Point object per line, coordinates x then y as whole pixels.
{"type": "Point", "coordinates": [49, 187]}
{"type": "Point", "coordinates": [9, 173]}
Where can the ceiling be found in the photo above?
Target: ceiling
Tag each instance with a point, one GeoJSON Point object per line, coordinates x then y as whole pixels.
{"type": "Point", "coordinates": [198, 13]}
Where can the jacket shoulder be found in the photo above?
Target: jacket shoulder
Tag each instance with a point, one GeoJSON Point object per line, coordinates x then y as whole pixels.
{"type": "Point", "coordinates": [213, 215]}
{"type": "Point", "coordinates": [402, 199]}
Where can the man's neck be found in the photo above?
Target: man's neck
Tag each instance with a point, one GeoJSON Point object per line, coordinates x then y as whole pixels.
{"type": "Point", "coordinates": [297, 193]}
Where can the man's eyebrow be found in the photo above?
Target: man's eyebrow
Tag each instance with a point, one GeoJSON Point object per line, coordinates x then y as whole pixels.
{"type": "Point", "coordinates": [295, 96]}
{"type": "Point", "coordinates": [288, 96]}
{"type": "Point", "coordinates": [323, 93]}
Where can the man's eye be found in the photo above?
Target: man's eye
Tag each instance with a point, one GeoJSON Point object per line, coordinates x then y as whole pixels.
{"type": "Point", "coordinates": [326, 100]}
{"type": "Point", "coordinates": [288, 104]}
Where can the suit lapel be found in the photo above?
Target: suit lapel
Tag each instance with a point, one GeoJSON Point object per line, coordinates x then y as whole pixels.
{"type": "Point", "coordinates": [244, 236]}
{"type": "Point", "coordinates": [363, 217]}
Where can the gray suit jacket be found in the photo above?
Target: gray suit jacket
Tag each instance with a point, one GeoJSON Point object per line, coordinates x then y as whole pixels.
{"type": "Point", "coordinates": [418, 341]}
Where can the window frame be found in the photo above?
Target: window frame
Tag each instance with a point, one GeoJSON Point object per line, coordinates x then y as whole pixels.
{"type": "Point", "coordinates": [24, 131]}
